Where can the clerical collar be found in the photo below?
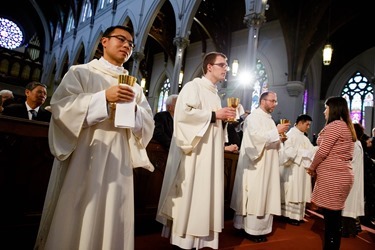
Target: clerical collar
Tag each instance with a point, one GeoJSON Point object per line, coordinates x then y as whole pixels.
{"type": "Point", "coordinates": [110, 66]}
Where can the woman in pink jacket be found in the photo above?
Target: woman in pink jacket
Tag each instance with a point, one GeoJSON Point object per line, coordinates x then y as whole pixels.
{"type": "Point", "coordinates": [332, 167]}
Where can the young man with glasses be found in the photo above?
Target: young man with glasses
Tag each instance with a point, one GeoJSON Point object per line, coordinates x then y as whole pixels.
{"type": "Point", "coordinates": [89, 202]}
{"type": "Point", "coordinates": [256, 190]}
{"type": "Point", "coordinates": [191, 204]}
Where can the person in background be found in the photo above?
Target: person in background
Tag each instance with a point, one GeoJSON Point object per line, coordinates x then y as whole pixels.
{"type": "Point", "coordinates": [333, 168]}
{"type": "Point", "coordinates": [256, 190]}
{"type": "Point", "coordinates": [6, 97]}
{"type": "Point", "coordinates": [368, 178]}
{"type": "Point", "coordinates": [164, 123]}
{"type": "Point", "coordinates": [90, 197]}
{"type": "Point", "coordinates": [355, 203]}
{"type": "Point", "coordinates": [296, 188]}
{"type": "Point", "coordinates": [191, 204]}
{"type": "Point", "coordinates": [234, 130]}
{"type": "Point", "coordinates": [36, 95]}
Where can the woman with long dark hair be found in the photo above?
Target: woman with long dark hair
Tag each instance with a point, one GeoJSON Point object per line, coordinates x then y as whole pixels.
{"type": "Point", "coordinates": [332, 167]}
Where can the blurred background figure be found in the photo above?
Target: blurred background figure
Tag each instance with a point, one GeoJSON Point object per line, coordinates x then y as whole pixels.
{"type": "Point", "coordinates": [355, 203]}
{"type": "Point", "coordinates": [234, 130]}
{"type": "Point", "coordinates": [36, 95]}
{"type": "Point", "coordinates": [368, 177]}
{"type": "Point", "coordinates": [6, 98]}
{"type": "Point", "coordinates": [164, 123]}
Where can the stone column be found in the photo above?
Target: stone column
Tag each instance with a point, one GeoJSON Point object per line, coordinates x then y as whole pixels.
{"type": "Point", "coordinates": [181, 44]}
{"type": "Point", "coordinates": [254, 21]}
{"type": "Point", "coordinates": [138, 57]}
{"type": "Point", "coordinates": [294, 105]}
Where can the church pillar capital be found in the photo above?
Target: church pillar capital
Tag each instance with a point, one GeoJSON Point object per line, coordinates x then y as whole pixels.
{"type": "Point", "coordinates": [295, 88]}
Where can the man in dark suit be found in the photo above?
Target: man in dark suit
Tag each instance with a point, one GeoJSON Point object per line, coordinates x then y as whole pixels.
{"type": "Point", "coordinates": [164, 123]}
{"type": "Point", "coordinates": [36, 94]}
{"type": "Point", "coordinates": [235, 132]}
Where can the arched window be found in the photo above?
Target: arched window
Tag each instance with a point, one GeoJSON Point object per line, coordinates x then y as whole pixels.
{"type": "Point", "coordinates": [70, 25]}
{"type": "Point", "coordinates": [11, 36]}
{"type": "Point", "coordinates": [104, 3]}
{"type": "Point", "coordinates": [86, 11]}
{"type": "Point", "coordinates": [358, 92]}
{"type": "Point", "coordinates": [164, 93]}
{"type": "Point", "coordinates": [58, 32]}
{"type": "Point", "coordinates": [260, 85]}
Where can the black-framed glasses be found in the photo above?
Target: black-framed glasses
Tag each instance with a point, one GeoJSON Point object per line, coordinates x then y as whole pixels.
{"type": "Point", "coordinates": [222, 65]}
{"type": "Point", "coordinates": [273, 101]}
{"type": "Point", "coordinates": [123, 40]}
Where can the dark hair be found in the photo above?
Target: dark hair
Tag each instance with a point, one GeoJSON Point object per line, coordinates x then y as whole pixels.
{"type": "Point", "coordinates": [210, 58]}
{"type": "Point", "coordinates": [338, 110]}
{"type": "Point", "coordinates": [360, 131]}
{"type": "Point", "coordinates": [303, 118]}
{"type": "Point", "coordinates": [32, 85]}
{"type": "Point", "coordinates": [109, 31]}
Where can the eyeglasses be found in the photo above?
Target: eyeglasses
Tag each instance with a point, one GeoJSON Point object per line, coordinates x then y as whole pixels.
{"type": "Point", "coordinates": [222, 65]}
{"type": "Point", "coordinates": [273, 101]}
{"type": "Point", "coordinates": [123, 40]}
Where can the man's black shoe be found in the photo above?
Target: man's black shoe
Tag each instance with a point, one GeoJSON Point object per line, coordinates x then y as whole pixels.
{"type": "Point", "coordinates": [294, 222]}
{"type": "Point", "coordinates": [257, 238]}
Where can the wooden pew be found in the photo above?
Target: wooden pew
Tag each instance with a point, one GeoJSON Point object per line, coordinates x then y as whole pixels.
{"type": "Point", "coordinates": [25, 167]}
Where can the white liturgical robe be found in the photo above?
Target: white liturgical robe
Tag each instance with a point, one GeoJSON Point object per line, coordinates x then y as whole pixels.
{"type": "Point", "coordinates": [256, 190]}
{"type": "Point", "coordinates": [192, 195]}
{"type": "Point", "coordinates": [296, 188]}
{"type": "Point", "coordinates": [89, 202]}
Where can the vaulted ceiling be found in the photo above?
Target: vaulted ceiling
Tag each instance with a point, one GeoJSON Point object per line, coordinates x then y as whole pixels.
{"type": "Point", "coordinates": [305, 25]}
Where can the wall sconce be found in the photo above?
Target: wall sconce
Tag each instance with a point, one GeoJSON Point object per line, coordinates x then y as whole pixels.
{"type": "Point", "coordinates": [235, 65]}
{"type": "Point", "coordinates": [143, 83]}
{"type": "Point", "coordinates": [327, 54]}
{"type": "Point", "coordinates": [180, 78]}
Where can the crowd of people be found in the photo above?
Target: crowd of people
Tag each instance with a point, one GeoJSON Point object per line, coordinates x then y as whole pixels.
{"type": "Point", "coordinates": [89, 201]}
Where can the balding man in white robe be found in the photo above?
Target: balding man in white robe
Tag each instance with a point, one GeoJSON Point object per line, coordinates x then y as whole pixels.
{"type": "Point", "coordinates": [256, 191]}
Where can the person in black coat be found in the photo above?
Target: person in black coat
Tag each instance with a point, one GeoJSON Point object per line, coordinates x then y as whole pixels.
{"type": "Point", "coordinates": [164, 123]}
{"type": "Point", "coordinates": [36, 95]}
{"type": "Point", "coordinates": [235, 132]}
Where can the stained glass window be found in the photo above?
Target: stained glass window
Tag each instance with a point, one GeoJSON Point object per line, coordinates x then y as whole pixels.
{"type": "Point", "coordinates": [86, 11]}
{"type": "Point", "coordinates": [11, 36]}
{"type": "Point", "coordinates": [70, 25]}
{"type": "Point", "coordinates": [358, 92]}
{"type": "Point", "coordinates": [164, 93]}
{"type": "Point", "coordinates": [260, 85]}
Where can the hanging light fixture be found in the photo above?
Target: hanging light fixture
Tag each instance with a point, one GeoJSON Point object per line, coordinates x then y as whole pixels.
{"type": "Point", "coordinates": [234, 69]}
{"type": "Point", "coordinates": [327, 54]}
{"type": "Point", "coordinates": [328, 49]}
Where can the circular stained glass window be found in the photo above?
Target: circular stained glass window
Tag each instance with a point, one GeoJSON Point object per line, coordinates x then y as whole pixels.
{"type": "Point", "coordinates": [11, 36]}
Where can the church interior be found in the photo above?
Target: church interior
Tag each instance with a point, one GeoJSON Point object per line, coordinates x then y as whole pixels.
{"type": "Point", "coordinates": [274, 45]}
